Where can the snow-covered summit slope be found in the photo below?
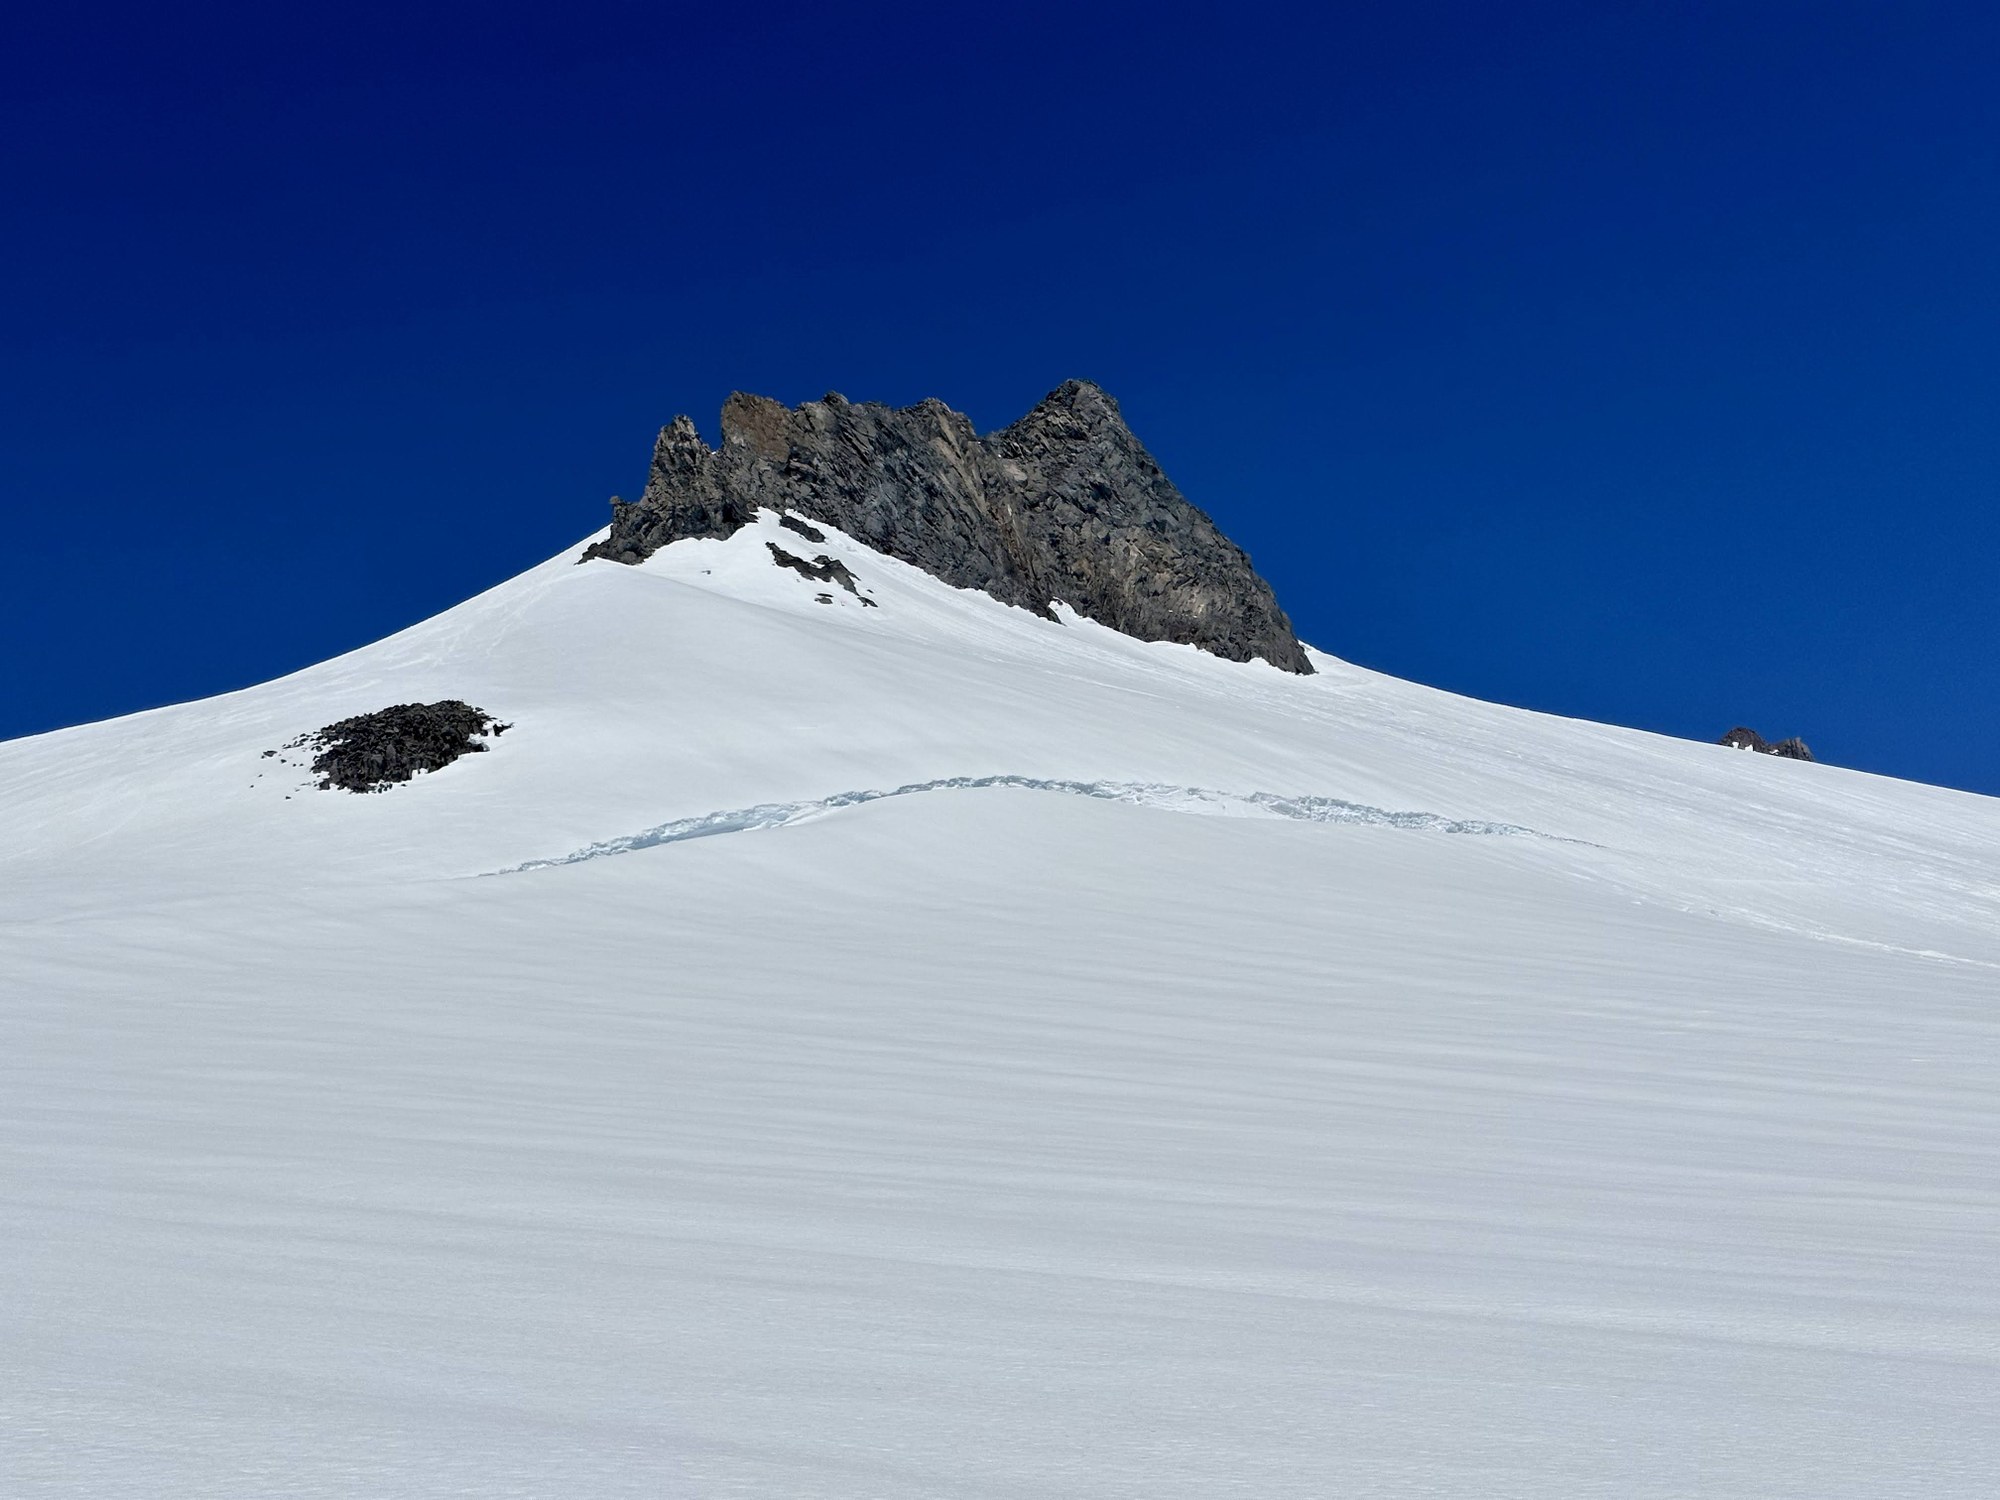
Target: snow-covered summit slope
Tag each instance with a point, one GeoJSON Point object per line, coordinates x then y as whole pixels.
{"type": "Point", "coordinates": [710, 680]}
{"type": "Point", "coordinates": [925, 1049]}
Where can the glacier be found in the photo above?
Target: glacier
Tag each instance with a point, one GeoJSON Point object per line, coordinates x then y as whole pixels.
{"type": "Point", "coordinates": [1101, 1070]}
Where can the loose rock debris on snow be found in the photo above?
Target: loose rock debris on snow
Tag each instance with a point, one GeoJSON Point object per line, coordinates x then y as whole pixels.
{"type": "Point", "coordinates": [373, 752]}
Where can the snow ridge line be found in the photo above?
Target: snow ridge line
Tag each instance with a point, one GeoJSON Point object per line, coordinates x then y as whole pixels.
{"type": "Point", "coordinates": [1200, 801]}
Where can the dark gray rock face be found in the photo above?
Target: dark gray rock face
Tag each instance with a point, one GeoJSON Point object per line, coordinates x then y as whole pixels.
{"type": "Point", "coordinates": [1740, 738]}
{"type": "Point", "coordinates": [372, 752]}
{"type": "Point", "coordinates": [1065, 504]}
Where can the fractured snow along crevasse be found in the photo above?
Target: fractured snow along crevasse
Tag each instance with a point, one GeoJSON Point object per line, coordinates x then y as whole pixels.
{"type": "Point", "coordinates": [1200, 801]}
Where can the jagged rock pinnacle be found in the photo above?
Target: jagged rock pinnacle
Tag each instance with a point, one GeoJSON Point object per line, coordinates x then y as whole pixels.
{"type": "Point", "coordinates": [1065, 504]}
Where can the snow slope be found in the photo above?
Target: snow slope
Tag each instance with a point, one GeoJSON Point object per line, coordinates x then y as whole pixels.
{"type": "Point", "coordinates": [931, 1051]}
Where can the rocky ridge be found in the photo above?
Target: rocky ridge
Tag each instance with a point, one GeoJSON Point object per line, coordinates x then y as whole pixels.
{"type": "Point", "coordinates": [1064, 505]}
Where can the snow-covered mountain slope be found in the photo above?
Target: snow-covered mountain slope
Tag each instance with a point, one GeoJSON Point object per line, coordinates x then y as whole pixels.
{"type": "Point", "coordinates": [927, 1050]}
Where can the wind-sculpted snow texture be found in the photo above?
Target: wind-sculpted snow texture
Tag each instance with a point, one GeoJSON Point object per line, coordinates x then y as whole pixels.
{"type": "Point", "coordinates": [1001, 1131]}
{"type": "Point", "coordinates": [1200, 800]}
{"type": "Point", "coordinates": [1066, 505]}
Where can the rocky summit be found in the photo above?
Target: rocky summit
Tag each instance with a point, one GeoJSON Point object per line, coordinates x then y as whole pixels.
{"type": "Point", "coordinates": [1064, 505]}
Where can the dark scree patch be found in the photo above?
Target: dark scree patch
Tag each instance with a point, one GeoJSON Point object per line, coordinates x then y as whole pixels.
{"type": "Point", "coordinates": [373, 752]}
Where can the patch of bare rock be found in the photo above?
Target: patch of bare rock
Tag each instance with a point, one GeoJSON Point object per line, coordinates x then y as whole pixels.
{"type": "Point", "coordinates": [1740, 738]}
{"type": "Point", "coordinates": [373, 752]}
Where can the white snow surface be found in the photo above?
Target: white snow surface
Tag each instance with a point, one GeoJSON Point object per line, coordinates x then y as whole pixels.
{"type": "Point", "coordinates": [930, 1051]}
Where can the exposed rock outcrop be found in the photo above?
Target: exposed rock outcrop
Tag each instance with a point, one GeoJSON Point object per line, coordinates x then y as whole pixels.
{"type": "Point", "coordinates": [1740, 738]}
{"type": "Point", "coordinates": [821, 569]}
{"type": "Point", "coordinates": [1065, 504]}
{"type": "Point", "coordinates": [372, 752]}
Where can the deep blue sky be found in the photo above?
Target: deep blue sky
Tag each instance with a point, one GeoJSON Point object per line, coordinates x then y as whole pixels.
{"type": "Point", "coordinates": [1639, 362]}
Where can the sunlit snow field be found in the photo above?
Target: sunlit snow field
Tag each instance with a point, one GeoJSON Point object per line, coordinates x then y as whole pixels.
{"type": "Point", "coordinates": [930, 1051]}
